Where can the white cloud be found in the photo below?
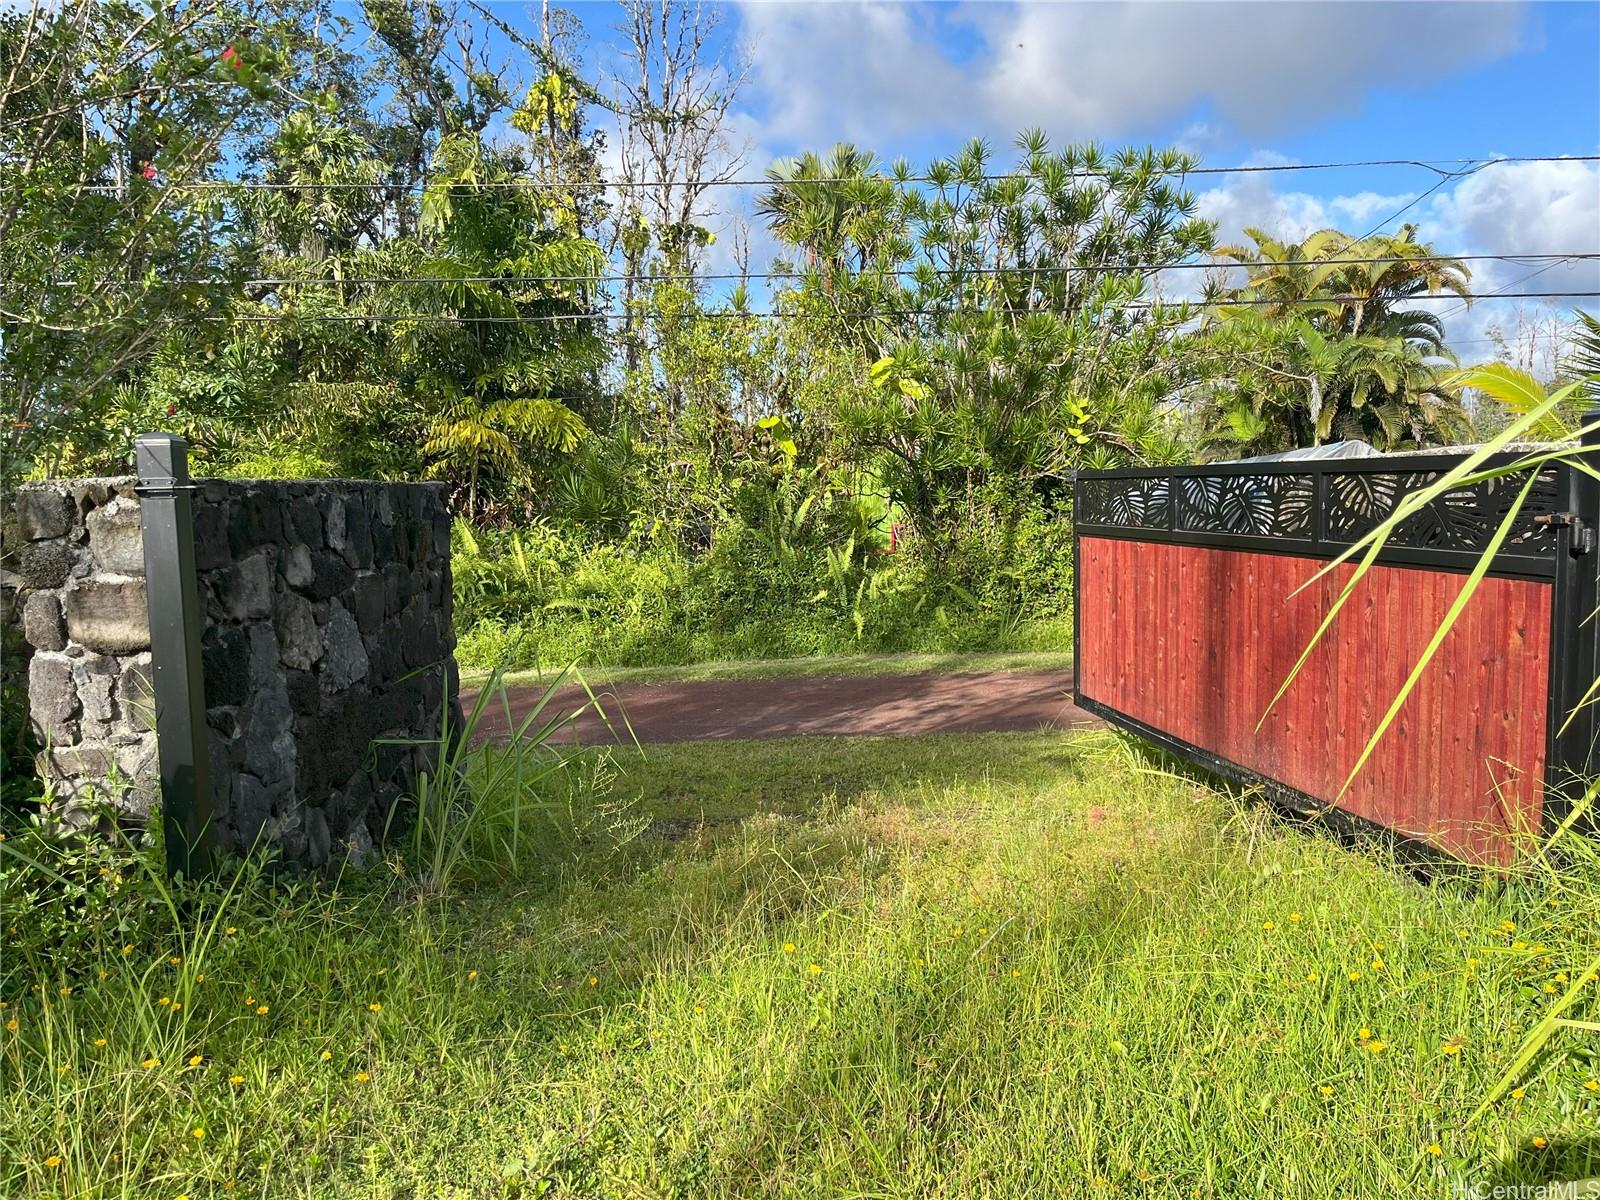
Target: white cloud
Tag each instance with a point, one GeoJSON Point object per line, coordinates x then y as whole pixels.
{"type": "Point", "coordinates": [1106, 68]}
{"type": "Point", "coordinates": [825, 73]}
{"type": "Point", "coordinates": [874, 72]}
{"type": "Point", "coordinates": [1506, 208]}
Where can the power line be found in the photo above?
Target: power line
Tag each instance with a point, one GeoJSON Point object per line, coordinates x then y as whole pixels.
{"type": "Point", "coordinates": [1501, 290]}
{"type": "Point", "coordinates": [1090, 269]}
{"type": "Point", "coordinates": [737, 314]}
{"type": "Point", "coordinates": [1438, 166]}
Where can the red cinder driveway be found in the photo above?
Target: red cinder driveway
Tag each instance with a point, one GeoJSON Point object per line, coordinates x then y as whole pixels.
{"type": "Point", "coordinates": [872, 705]}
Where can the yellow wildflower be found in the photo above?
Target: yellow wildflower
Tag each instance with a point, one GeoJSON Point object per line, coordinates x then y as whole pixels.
{"type": "Point", "coordinates": [1294, 918]}
{"type": "Point", "coordinates": [236, 1080]}
{"type": "Point", "coordinates": [362, 1077]}
{"type": "Point", "coordinates": [1592, 1085]}
{"type": "Point", "coordinates": [1376, 1046]}
{"type": "Point", "coordinates": [99, 1043]}
{"type": "Point", "coordinates": [196, 1059]}
{"type": "Point", "coordinates": [1325, 1090]}
{"type": "Point", "coordinates": [1435, 1149]}
{"type": "Point", "coordinates": [788, 947]}
{"type": "Point", "coordinates": [815, 968]}
{"type": "Point", "coordinates": [1518, 1093]}
{"type": "Point", "coordinates": [327, 1055]}
{"type": "Point", "coordinates": [472, 975]}
{"type": "Point", "coordinates": [53, 1161]}
{"type": "Point", "coordinates": [374, 1007]}
{"type": "Point", "coordinates": [593, 980]}
{"type": "Point", "coordinates": [1363, 1033]}
{"type": "Point", "coordinates": [263, 1009]}
{"type": "Point", "coordinates": [149, 1064]}
{"type": "Point", "coordinates": [12, 1024]}
{"type": "Point", "coordinates": [1354, 975]}
{"type": "Point", "coordinates": [197, 1133]}
{"type": "Point", "coordinates": [1538, 1143]}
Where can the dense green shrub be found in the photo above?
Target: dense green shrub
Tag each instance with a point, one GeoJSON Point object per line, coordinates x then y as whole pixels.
{"type": "Point", "coordinates": [549, 593]}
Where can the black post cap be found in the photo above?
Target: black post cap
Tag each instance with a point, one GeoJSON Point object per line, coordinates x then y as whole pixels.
{"type": "Point", "coordinates": [161, 458]}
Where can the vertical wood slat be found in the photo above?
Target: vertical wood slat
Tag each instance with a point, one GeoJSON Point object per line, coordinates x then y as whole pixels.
{"type": "Point", "coordinates": [1194, 642]}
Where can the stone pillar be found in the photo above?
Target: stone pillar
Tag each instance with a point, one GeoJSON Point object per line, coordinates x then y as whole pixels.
{"type": "Point", "coordinates": [80, 567]}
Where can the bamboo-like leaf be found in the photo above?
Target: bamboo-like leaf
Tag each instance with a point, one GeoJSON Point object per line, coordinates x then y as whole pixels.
{"type": "Point", "coordinates": [1538, 1036]}
{"type": "Point", "coordinates": [1369, 546]}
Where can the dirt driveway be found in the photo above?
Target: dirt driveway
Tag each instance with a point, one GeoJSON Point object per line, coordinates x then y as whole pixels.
{"type": "Point", "coordinates": [828, 705]}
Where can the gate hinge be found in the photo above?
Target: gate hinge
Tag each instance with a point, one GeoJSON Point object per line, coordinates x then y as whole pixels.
{"type": "Point", "coordinates": [1582, 534]}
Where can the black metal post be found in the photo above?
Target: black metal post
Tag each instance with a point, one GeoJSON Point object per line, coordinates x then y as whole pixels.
{"type": "Point", "coordinates": [166, 516]}
{"type": "Point", "coordinates": [1573, 758]}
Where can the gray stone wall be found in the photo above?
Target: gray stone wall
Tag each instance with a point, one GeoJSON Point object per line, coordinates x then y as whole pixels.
{"type": "Point", "coordinates": [327, 634]}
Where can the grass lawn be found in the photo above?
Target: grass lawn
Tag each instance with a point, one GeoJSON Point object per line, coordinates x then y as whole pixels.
{"type": "Point", "coordinates": [960, 966]}
{"type": "Point", "coordinates": [825, 665]}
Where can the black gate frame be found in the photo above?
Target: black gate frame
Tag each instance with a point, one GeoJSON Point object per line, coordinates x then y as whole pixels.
{"type": "Point", "coordinates": [1557, 545]}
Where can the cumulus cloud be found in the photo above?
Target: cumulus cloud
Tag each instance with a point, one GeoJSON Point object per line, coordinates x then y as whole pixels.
{"type": "Point", "coordinates": [872, 72]}
{"type": "Point", "coordinates": [1506, 208]}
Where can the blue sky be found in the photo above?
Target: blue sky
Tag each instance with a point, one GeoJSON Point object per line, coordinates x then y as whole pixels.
{"type": "Point", "coordinates": [1235, 82]}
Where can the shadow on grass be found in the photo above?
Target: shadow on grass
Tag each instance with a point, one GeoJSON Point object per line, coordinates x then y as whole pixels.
{"type": "Point", "coordinates": [722, 781]}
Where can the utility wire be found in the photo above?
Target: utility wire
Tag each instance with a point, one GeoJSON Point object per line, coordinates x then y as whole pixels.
{"type": "Point", "coordinates": [1420, 197]}
{"type": "Point", "coordinates": [1499, 291]}
{"type": "Point", "coordinates": [1440, 167]}
{"type": "Point", "coordinates": [1091, 269]}
{"type": "Point", "coordinates": [736, 314]}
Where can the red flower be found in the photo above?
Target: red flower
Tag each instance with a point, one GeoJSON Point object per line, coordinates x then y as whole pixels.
{"type": "Point", "coordinates": [231, 57]}
{"type": "Point", "coordinates": [172, 410]}
{"type": "Point", "coordinates": [149, 171]}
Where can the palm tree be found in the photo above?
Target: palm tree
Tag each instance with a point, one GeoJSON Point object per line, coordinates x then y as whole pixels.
{"type": "Point", "coordinates": [1322, 343]}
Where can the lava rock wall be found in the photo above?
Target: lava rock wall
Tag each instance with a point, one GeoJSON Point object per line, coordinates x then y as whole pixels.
{"type": "Point", "coordinates": [327, 647]}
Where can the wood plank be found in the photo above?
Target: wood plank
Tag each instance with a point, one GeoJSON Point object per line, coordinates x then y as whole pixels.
{"type": "Point", "coordinates": [1194, 641]}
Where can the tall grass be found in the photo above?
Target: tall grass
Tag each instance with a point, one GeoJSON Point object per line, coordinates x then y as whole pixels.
{"type": "Point", "coordinates": [478, 806]}
{"type": "Point", "coordinates": [990, 965]}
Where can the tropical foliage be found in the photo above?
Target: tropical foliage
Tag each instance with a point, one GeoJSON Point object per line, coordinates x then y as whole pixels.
{"type": "Point", "coordinates": [1322, 343]}
{"type": "Point", "coordinates": [319, 242]}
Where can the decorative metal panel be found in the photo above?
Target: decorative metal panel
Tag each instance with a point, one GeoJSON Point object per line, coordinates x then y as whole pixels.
{"type": "Point", "coordinates": [1259, 505]}
{"type": "Point", "coordinates": [1321, 508]}
{"type": "Point", "coordinates": [1465, 519]}
{"type": "Point", "coordinates": [1140, 503]}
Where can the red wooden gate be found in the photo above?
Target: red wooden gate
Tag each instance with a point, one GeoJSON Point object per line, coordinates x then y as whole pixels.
{"type": "Point", "coordinates": [1190, 617]}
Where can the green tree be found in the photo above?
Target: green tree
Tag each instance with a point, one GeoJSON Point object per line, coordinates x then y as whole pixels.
{"type": "Point", "coordinates": [1320, 344]}
{"type": "Point", "coordinates": [109, 112]}
{"type": "Point", "coordinates": [1007, 320]}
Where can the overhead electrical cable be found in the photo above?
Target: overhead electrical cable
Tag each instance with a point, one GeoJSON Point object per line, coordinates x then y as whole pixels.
{"type": "Point", "coordinates": [1442, 167]}
{"type": "Point", "coordinates": [861, 314]}
{"type": "Point", "coordinates": [1554, 259]}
